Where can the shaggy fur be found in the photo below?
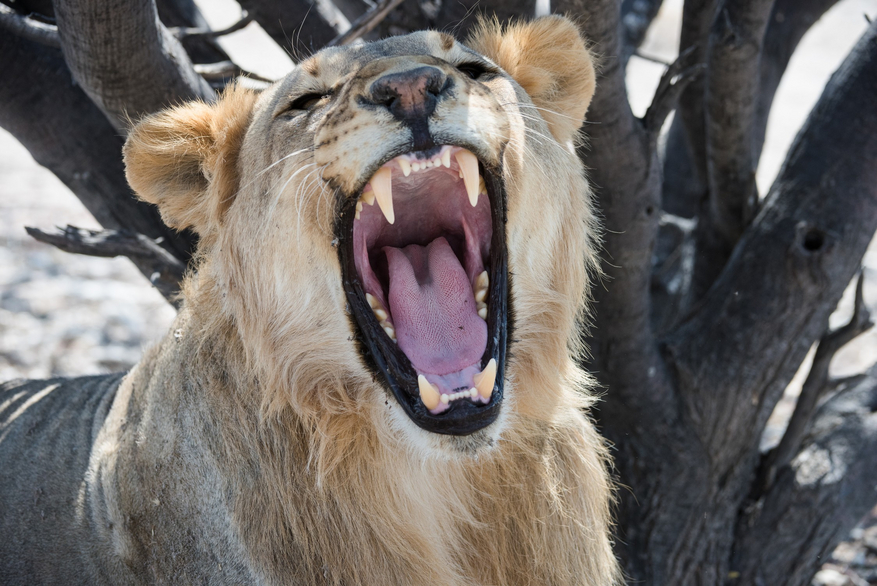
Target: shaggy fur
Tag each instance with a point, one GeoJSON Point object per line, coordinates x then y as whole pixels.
{"type": "Point", "coordinates": [254, 444]}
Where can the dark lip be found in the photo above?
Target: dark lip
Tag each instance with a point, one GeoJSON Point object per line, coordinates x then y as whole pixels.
{"type": "Point", "coordinates": [387, 361]}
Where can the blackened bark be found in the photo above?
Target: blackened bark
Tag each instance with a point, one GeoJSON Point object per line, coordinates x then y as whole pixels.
{"type": "Point", "coordinates": [299, 26]}
{"type": "Point", "coordinates": [818, 498]}
{"type": "Point", "coordinates": [458, 16]}
{"type": "Point", "coordinates": [636, 17]}
{"type": "Point", "coordinates": [125, 59]}
{"type": "Point", "coordinates": [184, 13]}
{"type": "Point", "coordinates": [733, 55]}
{"type": "Point", "coordinates": [734, 356]}
{"type": "Point", "coordinates": [789, 20]}
{"type": "Point", "coordinates": [51, 116]}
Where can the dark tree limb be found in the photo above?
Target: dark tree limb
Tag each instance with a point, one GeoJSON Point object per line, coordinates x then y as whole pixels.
{"type": "Point", "coordinates": [737, 352]}
{"type": "Point", "coordinates": [636, 17]}
{"type": "Point", "coordinates": [225, 70]}
{"type": "Point", "coordinates": [685, 168]}
{"type": "Point", "coordinates": [625, 176]}
{"type": "Point", "coordinates": [29, 28]}
{"type": "Point", "coordinates": [125, 59]}
{"type": "Point", "coordinates": [299, 26]}
{"type": "Point", "coordinates": [165, 271]}
{"type": "Point", "coordinates": [673, 82]}
{"type": "Point", "coordinates": [818, 497]}
{"type": "Point", "coordinates": [816, 386]}
{"type": "Point", "coordinates": [66, 133]}
{"type": "Point", "coordinates": [731, 94]}
{"type": "Point", "coordinates": [189, 32]}
{"type": "Point", "coordinates": [365, 23]}
{"type": "Point", "coordinates": [789, 21]}
{"type": "Point", "coordinates": [458, 16]}
{"type": "Point", "coordinates": [185, 14]}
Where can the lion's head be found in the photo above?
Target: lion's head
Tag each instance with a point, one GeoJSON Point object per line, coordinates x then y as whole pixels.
{"type": "Point", "coordinates": [398, 231]}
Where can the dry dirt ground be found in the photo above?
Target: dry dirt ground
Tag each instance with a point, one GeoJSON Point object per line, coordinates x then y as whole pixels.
{"type": "Point", "coordinates": [63, 314]}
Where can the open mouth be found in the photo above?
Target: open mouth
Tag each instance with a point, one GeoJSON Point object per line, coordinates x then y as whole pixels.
{"type": "Point", "coordinates": [423, 258]}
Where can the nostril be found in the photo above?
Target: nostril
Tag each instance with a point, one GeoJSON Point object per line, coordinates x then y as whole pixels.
{"type": "Point", "coordinates": [410, 94]}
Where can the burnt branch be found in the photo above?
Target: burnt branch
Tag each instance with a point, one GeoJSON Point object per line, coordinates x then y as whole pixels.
{"type": "Point", "coordinates": [125, 59]}
{"type": "Point", "coordinates": [731, 93]}
{"type": "Point", "coordinates": [29, 28]}
{"type": "Point", "coordinates": [685, 168]}
{"type": "Point", "coordinates": [225, 70]}
{"type": "Point", "coordinates": [636, 17]}
{"type": "Point", "coordinates": [458, 16]}
{"type": "Point", "coordinates": [818, 497]}
{"type": "Point", "coordinates": [673, 82]}
{"type": "Point", "coordinates": [737, 352]}
{"type": "Point", "coordinates": [76, 142]}
{"type": "Point", "coordinates": [164, 270]}
{"type": "Point", "coordinates": [625, 175]}
{"type": "Point", "coordinates": [789, 21]}
{"type": "Point", "coordinates": [183, 33]}
{"type": "Point", "coordinates": [366, 23]}
{"type": "Point", "coordinates": [816, 386]}
{"type": "Point", "coordinates": [300, 26]}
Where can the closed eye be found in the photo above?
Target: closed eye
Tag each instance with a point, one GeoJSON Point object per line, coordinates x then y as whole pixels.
{"type": "Point", "coordinates": [308, 101]}
{"type": "Point", "coordinates": [473, 69]}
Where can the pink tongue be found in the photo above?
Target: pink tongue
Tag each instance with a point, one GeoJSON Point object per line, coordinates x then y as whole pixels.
{"type": "Point", "coordinates": [433, 308]}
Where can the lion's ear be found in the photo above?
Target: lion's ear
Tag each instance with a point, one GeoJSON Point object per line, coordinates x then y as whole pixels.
{"type": "Point", "coordinates": [184, 159]}
{"type": "Point", "coordinates": [550, 60]}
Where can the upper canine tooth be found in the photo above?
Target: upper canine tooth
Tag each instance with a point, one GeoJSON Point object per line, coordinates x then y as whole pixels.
{"type": "Point", "coordinates": [428, 393]}
{"type": "Point", "coordinates": [405, 166]}
{"type": "Point", "coordinates": [446, 158]}
{"type": "Point", "coordinates": [469, 167]}
{"type": "Point", "coordinates": [485, 379]}
{"type": "Point", "coordinates": [382, 185]}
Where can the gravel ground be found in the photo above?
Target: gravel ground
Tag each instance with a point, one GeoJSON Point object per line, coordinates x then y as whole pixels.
{"type": "Point", "coordinates": [64, 314]}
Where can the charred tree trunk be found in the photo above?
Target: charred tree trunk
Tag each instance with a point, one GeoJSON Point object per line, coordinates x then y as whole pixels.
{"type": "Point", "coordinates": [713, 296]}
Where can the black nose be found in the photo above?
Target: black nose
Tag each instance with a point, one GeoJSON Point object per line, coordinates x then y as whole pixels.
{"type": "Point", "coordinates": [412, 94]}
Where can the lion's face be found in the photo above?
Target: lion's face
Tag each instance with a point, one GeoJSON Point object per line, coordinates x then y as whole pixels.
{"type": "Point", "coordinates": [373, 222]}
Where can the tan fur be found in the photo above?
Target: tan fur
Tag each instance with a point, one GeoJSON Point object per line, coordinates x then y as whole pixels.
{"type": "Point", "coordinates": [258, 421]}
{"type": "Point", "coordinates": [551, 62]}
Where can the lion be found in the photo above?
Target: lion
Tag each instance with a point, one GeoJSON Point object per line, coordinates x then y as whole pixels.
{"type": "Point", "coordinates": [372, 378]}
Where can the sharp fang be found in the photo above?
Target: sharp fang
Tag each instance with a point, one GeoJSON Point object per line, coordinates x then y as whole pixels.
{"type": "Point", "coordinates": [469, 168]}
{"type": "Point", "coordinates": [428, 393]}
{"type": "Point", "coordinates": [485, 379]}
{"type": "Point", "coordinates": [382, 185]}
{"type": "Point", "coordinates": [446, 158]}
{"type": "Point", "coordinates": [405, 166]}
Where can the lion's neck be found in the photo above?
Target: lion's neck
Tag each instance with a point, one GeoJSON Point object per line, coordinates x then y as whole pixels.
{"type": "Point", "coordinates": [376, 512]}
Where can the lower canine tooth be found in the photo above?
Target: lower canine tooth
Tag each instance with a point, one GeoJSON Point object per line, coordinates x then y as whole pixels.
{"type": "Point", "coordinates": [485, 379]}
{"type": "Point", "coordinates": [428, 393]}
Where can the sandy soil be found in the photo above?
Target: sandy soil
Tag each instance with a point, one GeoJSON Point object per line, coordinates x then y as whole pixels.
{"type": "Point", "coordinates": [63, 314]}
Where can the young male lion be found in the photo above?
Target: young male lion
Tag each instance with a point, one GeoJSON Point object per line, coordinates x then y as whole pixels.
{"type": "Point", "coordinates": [371, 378]}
